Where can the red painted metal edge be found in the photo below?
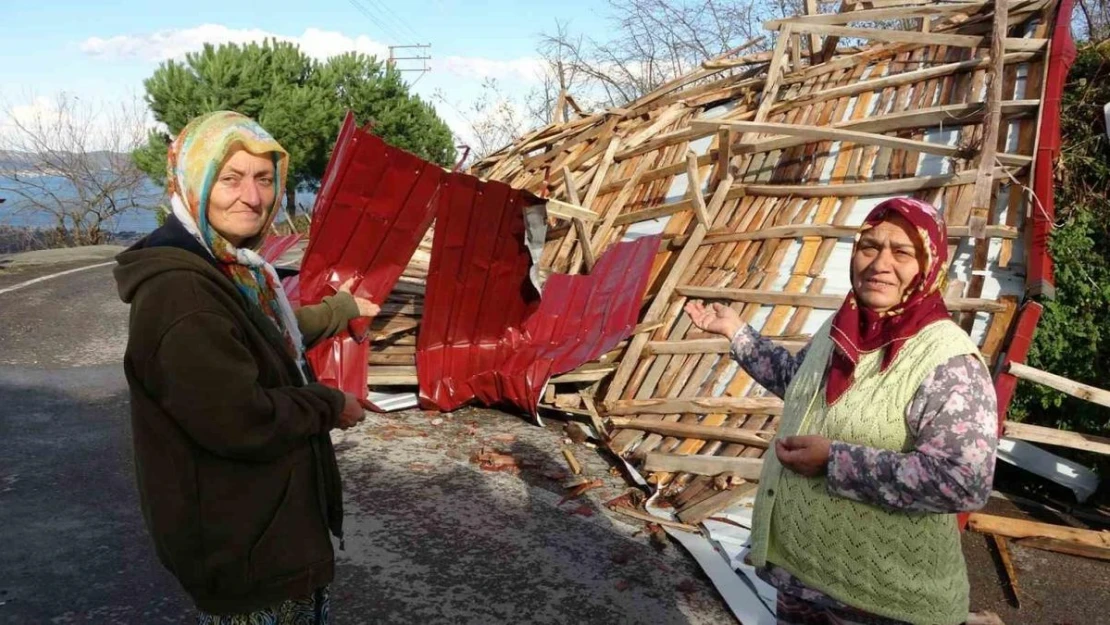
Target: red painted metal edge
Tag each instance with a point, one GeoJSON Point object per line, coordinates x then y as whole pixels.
{"type": "Point", "coordinates": [1061, 56]}
{"type": "Point", "coordinates": [374, 206]}
{"type": "Point", "coordinates": [277, 245]}
{"type": "Point", "coordinates": [1021, 340]}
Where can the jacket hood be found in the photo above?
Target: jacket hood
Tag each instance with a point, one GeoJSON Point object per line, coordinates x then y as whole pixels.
{"type": "Point", "coordinates": [169, 248]}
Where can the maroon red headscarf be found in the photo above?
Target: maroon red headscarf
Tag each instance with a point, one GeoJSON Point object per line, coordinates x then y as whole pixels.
{"type": "Point", "coordinates": [857, 330]}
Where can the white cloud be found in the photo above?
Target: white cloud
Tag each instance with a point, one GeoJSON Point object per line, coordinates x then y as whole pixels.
{"type": "Point", "coordinates": [462, 76]}
{"type": "Point", "coordinates": [322, 44]}
{"type": "Point", "coordinates": [68, 122]}
{"type": "Point", "coordinates": [174, 44]}
{"type": "Point", "coordinates": [525, 69]}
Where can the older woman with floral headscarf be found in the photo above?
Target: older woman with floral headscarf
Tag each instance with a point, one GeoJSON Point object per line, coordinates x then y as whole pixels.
{"type": "Point", "coordinates": [236, 472]}
{"type": "Point", "coordinates": [889, 429]}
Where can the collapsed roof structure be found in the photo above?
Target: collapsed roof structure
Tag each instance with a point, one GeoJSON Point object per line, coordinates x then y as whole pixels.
{"type": "Point", "coordinates": [755, 172]}
{"type": "Point", "coordinates": [742, 182]}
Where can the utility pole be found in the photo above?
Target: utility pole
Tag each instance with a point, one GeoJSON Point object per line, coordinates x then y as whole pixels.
{"type": "Point", "coordinates": [422, 58]}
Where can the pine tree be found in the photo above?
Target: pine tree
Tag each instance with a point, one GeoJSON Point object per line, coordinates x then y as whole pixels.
{"type": "Point", "coordinates": [299, 100]}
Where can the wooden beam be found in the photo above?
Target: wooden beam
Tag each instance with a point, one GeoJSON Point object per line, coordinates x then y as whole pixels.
{"type": "Point", "coordinates": [916, 38]}
{"type": "Point", "coordinates": [580, 228]}
{"type": "Point", "coordinates": [1059, 438]}
{"type": "Point", "coordinates": [982, 195]}
{"type": "Point", "coordinates": [897, 80]}
{"type": "Point", "coordinates": [872, 15]}
{"type": "Point", "coordinates": [650, 518]}
{"type": "Point", "coordinates": [709, 346]}
{"type": "Point", "coordinates": [1051, 544]}
{"type": "Point", "coordinates": [697, 405]}
{"type": "Point", "coordinates": [950, 115]}
{"type": "Point", "coordinates": [1018, 528]}
{"type": "Point", "coordinates": [814, 134]}
{"type": "Point", "coordinates": [590, 372]}
{"type": "Point", "coordinates": [855, 189]}
{"type": "Point", "coordinates": [747, 468]}
{"type": "Point", "coordinates": [809, 300]}
{"type": "Point", "coordinates": [829, 231]}
{"type": "Point", "coordinates": [1008, 566]}
{"type": "Point", "coordinates": [1062, 384]}
{"type": "Point", "coordinates": [693, 190]}
{"type": "Point", "coordinates": [564, 210]}
{"type": "Point", "coordinates": [814, 40]}
{"type": "Point", "coordinates": [688, 430]}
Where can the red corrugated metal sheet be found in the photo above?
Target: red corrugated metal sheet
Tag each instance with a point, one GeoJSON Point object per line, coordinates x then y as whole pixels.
{"type": "Point", "coordinates": [373, 208]}
{"type": "Point", "coordinates": [1061, 57]}
{"type": "Point", "coordinates": [485, 334]}
{"type": "Point", "coordinates": [375, 205]}
{"type": "Point", "coordinates": [277, 245]}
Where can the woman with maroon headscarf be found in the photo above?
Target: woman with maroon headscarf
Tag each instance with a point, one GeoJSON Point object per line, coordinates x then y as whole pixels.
{"type": "Point", "coordinates": [889, 429]}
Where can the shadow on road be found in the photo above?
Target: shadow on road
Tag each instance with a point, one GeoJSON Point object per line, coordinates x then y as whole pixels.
{"type": "Point", "coordinates": [448, 544]}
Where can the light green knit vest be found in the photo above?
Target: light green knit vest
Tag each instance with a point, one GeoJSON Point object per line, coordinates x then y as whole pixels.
{"type": "Point", "coordinates": [901, 565]}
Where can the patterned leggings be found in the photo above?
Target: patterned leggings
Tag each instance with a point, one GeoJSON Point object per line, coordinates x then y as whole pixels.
{"type": "Point", "coordinates": [792, 610]}
{"type": "Point", "coordinates": [311, 610]}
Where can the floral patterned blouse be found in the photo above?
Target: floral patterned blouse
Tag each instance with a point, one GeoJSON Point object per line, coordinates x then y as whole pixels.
{"type": "Point", "coordinates": [952, 420]}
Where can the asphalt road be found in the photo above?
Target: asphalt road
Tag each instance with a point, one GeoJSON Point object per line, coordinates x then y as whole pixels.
{"type": "Point", "coordinates": [431, 538]}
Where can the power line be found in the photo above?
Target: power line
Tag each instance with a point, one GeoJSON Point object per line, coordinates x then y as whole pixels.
{"type": "Point", "coordinates": [385, 28]}
{"type": "Point", "coordinates": [397, 18]}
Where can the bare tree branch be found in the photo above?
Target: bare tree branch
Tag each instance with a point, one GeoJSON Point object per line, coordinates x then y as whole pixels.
{"type": "Point", "coordinates": [72, 163]}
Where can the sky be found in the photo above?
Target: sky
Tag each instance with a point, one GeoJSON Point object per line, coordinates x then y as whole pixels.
{"type": "Point", "coordinates": [101, 52]}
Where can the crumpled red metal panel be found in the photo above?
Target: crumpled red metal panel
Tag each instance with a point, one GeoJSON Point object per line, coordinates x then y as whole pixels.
{"type": "Point", "coordinates": [373, 208]}
{"type": "Point", "coordinates": [486, 335]}
{"type": "Point", "coordinates": [276, 245]}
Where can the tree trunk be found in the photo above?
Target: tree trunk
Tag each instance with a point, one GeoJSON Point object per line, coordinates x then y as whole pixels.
{"type": "Point", "coordinates": [291, 200]}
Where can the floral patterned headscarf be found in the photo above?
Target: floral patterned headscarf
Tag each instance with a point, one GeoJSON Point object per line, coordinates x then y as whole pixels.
{"type": "Point", "coordinates": [194, 163]}
{"type": "Point", "coordinates": [858, 330]}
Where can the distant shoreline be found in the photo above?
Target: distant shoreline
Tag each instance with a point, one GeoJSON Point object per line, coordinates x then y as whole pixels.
{"type": "Point", "coordinates": [16, 239]}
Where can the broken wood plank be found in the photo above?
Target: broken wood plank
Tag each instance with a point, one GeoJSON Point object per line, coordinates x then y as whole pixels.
{"type": "Point", "coordinates": [747, 468]}
{"type": "Point", "coordinates": [710, 346]}
{"type": "Point", "coordinates": [706, 508]}
{"type": "Point", "coordinates": [697, 405]}
{"type": "Point", "coordinates": [693, 190]}
{"type": "Point", "coordinates": [1008, 566]}
{"type": "Point", "coordinates": [565, 210]}
{"type": "Point", "coordinates": [897, 80]}
{"type": "Point", "coordinates": [1059, 438]}
{"type": "Point", "coordinates": [572, 462]}
{"type": "Point", "coordinates": [643, 516]}
{"type": "Point", "coordinates": [1019, 528]}
{"type": "Point", "coordinates": [813, 134]}
{"type": "Point", "coordinates": [870, 15]}
{"type": "Point", "coordinates": [982, 196]}
{"type": "Point", "coordinates": [591, 372]}
{"type": "Point", "coordinates": [917, 38]}
{"type": "Point", "coordinates": [1059, 546]}
{"type": "Point", "coordinates": [583, 234]}
{"type": "Point", "coordinates": [687, 430]}
{"type": "Point", "coordinates": [1060, 383]}
{"type": "Point", "coordinates": [855, 189]}
{"type": "Point", "coordinates": [814, 40]}
{"type": "Point", "coordinates": [580, 228]}
{"type": "Point", "coordinates": [836, 232]}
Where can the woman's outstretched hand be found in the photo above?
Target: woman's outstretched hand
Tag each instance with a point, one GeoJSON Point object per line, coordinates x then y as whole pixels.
{"type": "Point", "coordinates": [715, 318]}
{"type": "Point", "coordinates": [366, 308]}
